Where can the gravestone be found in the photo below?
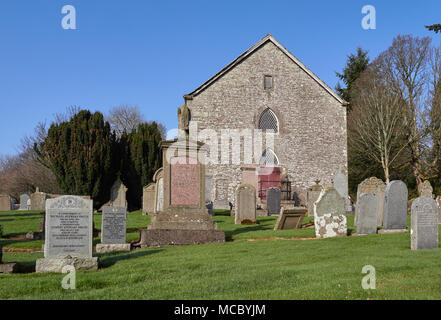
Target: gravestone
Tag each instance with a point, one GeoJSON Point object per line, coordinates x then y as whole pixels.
{"type": "Point", "coordinates": [273, 198]}
{"type": "Point", "coordinates": [159, 201]}
{"type": "Point", "coordinates": [375, 186]}
{"type": "Point", "coordinates": [245, 205]}
{"type": "Point", "coordinates": [367, 214]}
{"type": "Point", "coordinates": [340, 183]}
{"type": "Point", "coordinates": [24, 198]}
{"type": "Point", "coordinates": [395, 207]}
{"type": "Point", "coordinates": [5, 202]}
{"type": "Point", "coordinates": [184, 218]}
{"type": "Point", "coordinates": [426, 190]}
{"type": "Point", "coordinates": [118, 194]}
{"type": "Point", "coordinates": [221, 205]}
{"type": "Point", "coordinates": [329, 214]}
{"type": "Point", "coordinates": [438, 202]}
{"type": "Point", "coordinates": [207, 188]}
{"type": "Point", "coordinates": [311, 197]}
{"type": "Point", "coordinates": [68, 238]}
{"type": "Point", "coordinates": [113, 230]}
{"type": "Point", "coordinates": [38, 200]}
{"type": "Point", "coordinates": [424, 224]}
{"type": "Point", "coordinates": [148, 199]}
{"type": "Point", "coordinates": [290, 218]}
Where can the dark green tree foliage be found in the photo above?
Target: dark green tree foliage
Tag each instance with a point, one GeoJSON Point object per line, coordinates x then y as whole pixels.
{"type": "Point", "coordinates": [434, 27]}
{"type": "Point", "coordinates": [141, 158]}
{"type": "Point", "coordinates": [355, 65]}
{"type": "Point", "coordinates": [80, 153]}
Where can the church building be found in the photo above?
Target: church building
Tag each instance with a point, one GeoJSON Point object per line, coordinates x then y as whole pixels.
{"type": "Point", "coordinates": [268, 89]}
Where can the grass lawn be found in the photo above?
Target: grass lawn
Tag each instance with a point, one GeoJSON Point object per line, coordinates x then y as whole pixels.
{"type": "Point", "coordinates": [256, 262]}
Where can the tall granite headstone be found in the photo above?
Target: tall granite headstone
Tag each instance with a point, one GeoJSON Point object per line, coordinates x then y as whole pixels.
{"type": "Point", "coordinates": [68, 239]}
{"type": "Point", "coordinates": [148, 199]}
{"type": "Point", "coordinates": [395, 206]}
{"type": "Point", "coordinates": [329, 214]}
{"type": "Point", "coordinates": [424, 224]}
{"type": "Point", "coordinates": [184, 218]}
{"type": "Point", "coordinates": [245, 205]}
{"type": "Point", "coordinates": [24, 198]}
{"type": "Point", "coordinates": [367, 214]}
{"type": "Point", "coordinates": [375, 186]}
{"type": "Point", "coordinates": [273, 199]}
{"type": "Point", "coordinates": [340, 183]}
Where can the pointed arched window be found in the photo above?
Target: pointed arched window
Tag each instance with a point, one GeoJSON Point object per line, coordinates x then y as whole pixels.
{"type": "Point", "coordinates": [268, 159]}
{"type": "Point", "coordinates": [268, 121]}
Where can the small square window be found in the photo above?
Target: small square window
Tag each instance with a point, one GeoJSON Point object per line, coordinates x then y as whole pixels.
{"type": "Point", "coordinates": [268, 82]}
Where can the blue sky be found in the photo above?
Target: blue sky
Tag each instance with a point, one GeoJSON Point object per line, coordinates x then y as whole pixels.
{"type": "Point", "coordinates": [151, 53]}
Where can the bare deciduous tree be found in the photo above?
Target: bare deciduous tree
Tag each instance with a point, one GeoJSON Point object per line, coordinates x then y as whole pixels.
{"type": "Point", "coordinates": [124, 118]}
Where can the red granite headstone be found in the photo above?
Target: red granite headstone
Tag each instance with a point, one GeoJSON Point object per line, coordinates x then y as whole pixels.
{"type": "Point", "coordinates": [184, 182]}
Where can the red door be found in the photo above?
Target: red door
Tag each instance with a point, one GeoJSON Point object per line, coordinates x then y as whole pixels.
{"type": "Point", "coordinates": [268, 177]}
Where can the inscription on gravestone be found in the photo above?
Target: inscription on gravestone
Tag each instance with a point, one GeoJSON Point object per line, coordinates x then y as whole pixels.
{"type": "Point", "coordinates": [114, 225]}
{"type": "Point", "coordinates": [424, 224]}
{"type": "Point", "coordinates": [68, 227]}
{"type": "Point", "coordinates": [184, 182]}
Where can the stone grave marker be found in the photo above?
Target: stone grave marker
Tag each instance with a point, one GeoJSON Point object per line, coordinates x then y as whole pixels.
{"type": "Point", "coordinates": [113, 230]}
{"type": "Point", "coordinates": [290, 218]}
{"type": "Point", "coordinates": [367, 214]}
{"type": "Point", "coordinates": [375, 186]}
{"type": "Point", "coordinates": [329, 214]}
{"type": "Point", "coordinates": [24, 198]}
{"type": "Point", "coordinates": [148, 199]}
{"type": "Point", "coordinates": [38, 200]}
{"type": "Point", "coordinates": [438, 202]}
{"type": "Point", "coordinates": [424, 224]}
{"type": "Point", "coordinates": [426, 189]}
{"type": "Point", "coordinates": [5, 202]}
{"type": "Point", "coordinates": [68, 238]}
{"type": "Point", "coordinates": [245, 205]}
{"type": "Point", "coordinates": [311, 197]}
{"type": "Point", "coordinates": [395, 207]}
{"type": "Point", "coordinates": [340, 183]}
{"type": "Point", "coordinates": [159, 195]}
{"type": "Point", "coordinates": [118, 194]}
{"type": "Point", "coordinates": [273, 198]}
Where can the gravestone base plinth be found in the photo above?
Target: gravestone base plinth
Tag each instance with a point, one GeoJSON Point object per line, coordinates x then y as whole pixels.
{"type": "Point", "coordinates": [387, 231]}
{"type": "Point", "coordinates": [10, 267]}
{"type": "Point", "coordinates": [182, 219]}
{"type": "Point", "coordinates": [114, 247]}
{"type": "Point", "coordinates": [168, 237]}
{"type": "Point", "coordinates": [56, 264]}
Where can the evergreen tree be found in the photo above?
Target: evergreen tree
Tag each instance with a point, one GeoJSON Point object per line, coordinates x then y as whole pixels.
{"type": "Point", "coordinates": [80, 152]}
{"type": "Point", "coordinates": [141, 157]}
{"type": "Point", "coordinates": [434, 27]}
{"type": "Point", "coordinates": [355, 65]}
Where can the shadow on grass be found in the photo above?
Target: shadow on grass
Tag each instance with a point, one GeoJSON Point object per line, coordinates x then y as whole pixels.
{"type": "Point", "coordinates": [109, 259]}
{"type": "Point", "coordinates": [230, 234]}
{"type": "Point", "coordinates": [20, 215]}
{"type": "Point", "coordinates": [5, 242]}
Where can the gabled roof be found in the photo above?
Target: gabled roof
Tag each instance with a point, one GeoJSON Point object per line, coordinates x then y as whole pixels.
{"type": "Point", "coordinates": [243, 56]}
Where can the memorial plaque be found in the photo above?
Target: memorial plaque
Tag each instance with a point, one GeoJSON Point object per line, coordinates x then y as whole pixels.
{"type": "Point", "coordinates": [113, 230]}
{"type": "Point", "coordinates": [68, 227]}
{"type": "Point", "coordinates": [424, 224]}
{"type": "Point", "coordinates": [184, 182]}
{"type": "Point", "coordinates": [273, 196]}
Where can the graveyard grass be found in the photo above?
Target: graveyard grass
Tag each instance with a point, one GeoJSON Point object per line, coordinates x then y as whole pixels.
{"type": "Point", "coordinates": [256, 262]}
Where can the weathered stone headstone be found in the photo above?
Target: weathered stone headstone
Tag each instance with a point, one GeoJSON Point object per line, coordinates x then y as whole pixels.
{"type": "Point", "coordinates": [5, 202]}
{"type": "Point", "coordinates": [329, 214]}
{"type": "Point", "coordinates": [311, 197]}
{"type": "Point", "coordinates": [118, 194]}
{"type": "Point", "coordinates": [38, 200]}
{"type": "Point", "coordinates": [68, 239]}
{"type": "Point", "coordinates": [24, 198]}
{"type": "Point", "coordinates": [221, 205]}
{"type": "Point", "coordinates": [367, 214]}
{"type": "Point", "coordinates": [273, 198]}
{"type": "Point", "coordinates": [245, 204]}
{"type": "Point", "coordinates": [395, 207]}
{"type": "Point", "coordinates": [426, 190]}
{"type": "Point", "coordinates": [148, 199]}
{"type": "Point", "coordinates": [184, 218]}
{"type": "Point", "coordinates": [375, 186]}
{"type": "Point", "coordinates": [113, 230]}
{"type": "Point", "coordinates": [159, 201]}
{"type": "Point", "coordinates": [424, 224]}
{"type": "Point", "coordinates": [290, 218]}
{"type": "Point", "coordinates": [340, 183]}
